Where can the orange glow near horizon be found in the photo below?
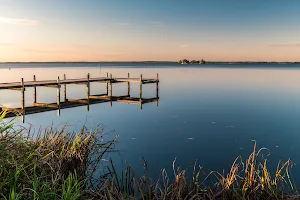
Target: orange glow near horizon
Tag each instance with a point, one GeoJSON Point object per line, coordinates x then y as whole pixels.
{"type": "Point", "coordinates": [43, 32]}
{"type": "Point", "coordinates": [48, 53]}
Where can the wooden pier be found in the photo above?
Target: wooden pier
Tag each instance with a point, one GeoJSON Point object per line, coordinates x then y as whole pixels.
{"type": "Point", "coordinates": [38, 107]}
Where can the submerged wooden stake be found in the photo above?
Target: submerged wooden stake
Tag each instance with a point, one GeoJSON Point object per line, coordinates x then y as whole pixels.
{"type": "Point", "coordinates": [34, 90]}
{"type": "Point", "coordinates": [141, 105]}
{"type": "Point", "coordinates": [58, 97]}
{"type": "Point", "coordinates": [23, 99]}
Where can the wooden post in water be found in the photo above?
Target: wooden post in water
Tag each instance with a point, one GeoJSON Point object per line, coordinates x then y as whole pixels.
{"type": "Point", "coordinates": [23, 99]}
{"type": "Point", "coordinates": [128, 85]}
{"type": "Point", "coordinates": [34, 90]}
{"type": "Point", "coordinates": [157, 80]}
{"type": "Point", "coordinates": [141, 86]}
{"type": "Point", "coordinates": [107, 84]}
{"type": "Point", "coordinates": [58, 97]}
{"type": "Point", "coordinates": [111, 90]}
{"type": "Point", "coordinates": [110, 85]}
{"type": "Point", "coordinates": [65, 89]}
{"type": "Point", "coordinates": [88, 91]}
{"type": "Point", "coordinates": [141, 92]}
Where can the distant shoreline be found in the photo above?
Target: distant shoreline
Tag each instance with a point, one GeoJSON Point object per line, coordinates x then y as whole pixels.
{"type": "Point", "coordinates": [152, 62]}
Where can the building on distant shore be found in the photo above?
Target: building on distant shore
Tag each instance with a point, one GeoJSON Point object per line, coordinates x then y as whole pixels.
{"type": "Point", "coordinates": [185, 61]}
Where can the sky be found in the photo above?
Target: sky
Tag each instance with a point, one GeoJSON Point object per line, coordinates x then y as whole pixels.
{"type": "Point", "coordinates": [156, 30]}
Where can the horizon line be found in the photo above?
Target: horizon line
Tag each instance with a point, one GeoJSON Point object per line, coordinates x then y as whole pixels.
{"type": "Point", "coordinates": [166, 61]}
{"type": "Point", "coordinates": [81, 61]}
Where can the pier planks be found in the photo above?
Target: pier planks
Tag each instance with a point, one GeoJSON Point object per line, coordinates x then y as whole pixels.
{"type": "Point", "coordinates": [16, 85]}
{"type": "Point", "coordinates": [69, 103]}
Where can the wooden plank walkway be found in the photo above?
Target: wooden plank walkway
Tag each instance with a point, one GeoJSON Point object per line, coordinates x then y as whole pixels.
{"type": "Point", "coordinates": [69, 103]}
{"type": "Point", "coordinates": [15, 85]}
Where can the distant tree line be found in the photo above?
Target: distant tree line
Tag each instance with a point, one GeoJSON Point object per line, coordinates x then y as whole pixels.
{"type": "Point", "coordinates": [185, 61]}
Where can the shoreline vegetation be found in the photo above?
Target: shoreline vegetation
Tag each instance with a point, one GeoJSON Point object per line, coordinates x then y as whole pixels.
{"type": "Point", "coordinates": [59, 164]}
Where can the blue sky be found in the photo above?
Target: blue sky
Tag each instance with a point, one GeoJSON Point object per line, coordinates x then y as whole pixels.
{"type": "Point", "coordinates": [95, 30]}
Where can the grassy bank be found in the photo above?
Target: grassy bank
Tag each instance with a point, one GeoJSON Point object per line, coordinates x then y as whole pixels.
{"type": "Point", "coordinates": [59, 164]}
{"type": "Point", "coordinates": [50, 164]}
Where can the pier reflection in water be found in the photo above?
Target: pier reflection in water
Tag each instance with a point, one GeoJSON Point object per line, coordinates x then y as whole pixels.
{"type": "Point", "coordinates": [39, 107]}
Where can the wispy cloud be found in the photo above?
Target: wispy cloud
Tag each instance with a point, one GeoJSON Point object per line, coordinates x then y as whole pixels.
{"type": "Point", "coordinates": [157, 23]}
{"type": "Point", "coordinates": [27, 22]}
{"type": "Point", "coordinates": [290, 44]}
{"type": "Point", "coordinates": [123, 24]}
{"type": "Point", "coordinates": [184, 45]}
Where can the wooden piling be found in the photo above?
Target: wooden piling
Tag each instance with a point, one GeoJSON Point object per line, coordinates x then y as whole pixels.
{"type": "Point", "coordinates": [34, 90]}
{"type": "Point", "coordinates": [141, 92]}
{"type": "Point", "coordinates": [141, 86]}
{"type": "Point", "coordinates": [128, 85]}
{"type": "Point", "coordinates": [23, 99]}
{"type": "Point", "coordinates": [88, 91]}
{"type": "Point", "coordinates": [157, 89]}
{"type": "Point", "coordinates": [111, 90]}
{"type": "Point", "coordinates": [65, 89]}
{"type": "Point", "coordinates": [58, 96]}
{"type": "Point", "coordinates": [107, 84]}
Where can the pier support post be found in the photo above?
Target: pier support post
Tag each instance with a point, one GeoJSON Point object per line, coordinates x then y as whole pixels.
{"type": "Point", "coordinates": [58, 96]}
{"type": "Point", "coordinates": [107, 84]}
{"type": "Point", "coordinates": [141, 86]}
{"type": "Point", "coordinates": [128, 85]}
{"type": "Point", "coordinates": [141, 92]}
{"type": "Point", "coordinates": [141, 105]}
{"type": "Point", "coordinates": [88, 91]}
{"type": "Point", "coordinates": [34, 90]}
{"type": "Point", "coordinates": [157, 94]}
{"type": "Point", "coordinates": [23, 99]}
{"type": "Point", "coordinates": [111, 90]}
{"type": "Point", "coordinates": [65, 89]}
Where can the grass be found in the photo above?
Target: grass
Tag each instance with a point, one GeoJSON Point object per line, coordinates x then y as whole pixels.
{"type": "Point", "coordinates": [54, 164]}
{"type": "Point", "coordinates": [60, 164]}
{"type": "Point", "coordinates": [245, 180]}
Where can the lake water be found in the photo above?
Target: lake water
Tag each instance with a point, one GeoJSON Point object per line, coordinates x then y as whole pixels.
{"type": "Point", "coordinates": [210, 112]}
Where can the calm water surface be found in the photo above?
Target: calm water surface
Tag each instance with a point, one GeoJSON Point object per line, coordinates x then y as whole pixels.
{"type": "Point", "coordinates": [208, 113]}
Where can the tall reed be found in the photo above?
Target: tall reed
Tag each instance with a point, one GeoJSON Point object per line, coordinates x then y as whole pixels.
{"type": "Point", "coordinates": [53, 164]}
